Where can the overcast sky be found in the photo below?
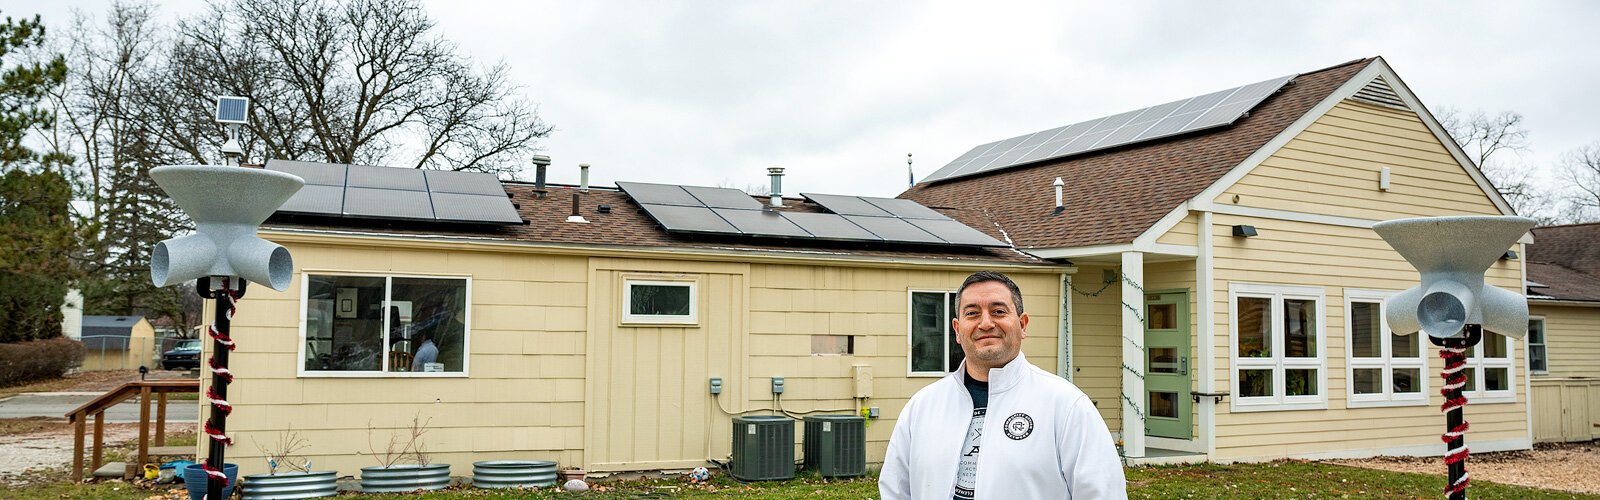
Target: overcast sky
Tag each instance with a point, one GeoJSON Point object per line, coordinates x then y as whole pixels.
{"type": "Point", "coordinates": [711, 93]}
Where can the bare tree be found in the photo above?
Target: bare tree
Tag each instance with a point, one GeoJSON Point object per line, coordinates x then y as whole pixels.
{"type": "Point", "coordinates": [1495, 143]}
{"type": "Point", "coordinates": [1580, 168]}
{"type": "Point", "coordinates": [348, 81]}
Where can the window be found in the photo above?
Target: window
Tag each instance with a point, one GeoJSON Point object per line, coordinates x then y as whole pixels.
{"type": "Point", "coordinates": [1385, 369]}
{"type": "Point", "coordinates": [384, 326]}
{"type": "Point", "coordinates": [1489, 377]}
{"type": "Point", "coordinates": [660, 302]}
{"type": "Point", "coordinates": [1537, 355]}
{"type": "Point", "coordinates": [934, 350]}
{"type": "Point", "coordinates": [1278, 354]}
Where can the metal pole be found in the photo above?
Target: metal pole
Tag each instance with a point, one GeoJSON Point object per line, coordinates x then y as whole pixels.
{"type": "Point", "coordinates": [1456, 452]}
{"type": "Point", "coordinates": [219, 382]}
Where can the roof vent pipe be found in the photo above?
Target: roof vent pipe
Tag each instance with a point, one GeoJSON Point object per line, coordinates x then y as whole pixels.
{"type": "Point", "coordinates": [542, 165]}
{"type": "Point", "coordinates": [583, 175]}
{"type": "Point", "coordinates": [1060, 205]}
{"type": "Point", "coordinates": [777, 186]}
{"type": "Point", "coordinates": [576, 217]}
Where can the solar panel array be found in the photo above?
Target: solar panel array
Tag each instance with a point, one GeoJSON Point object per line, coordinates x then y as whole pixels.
{"type": "Point", "coordinates": [361, 191]}
{"type": "Point", "coordinates": [722, 211]}
{"type": "Point", "coordinates": [1177, 117]}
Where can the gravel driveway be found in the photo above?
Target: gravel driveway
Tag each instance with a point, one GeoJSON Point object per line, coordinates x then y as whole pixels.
{"type": "Point", "coordinates": [1558, 466]}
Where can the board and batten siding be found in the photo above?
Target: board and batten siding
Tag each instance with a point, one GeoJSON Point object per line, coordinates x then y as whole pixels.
{"type": "Point", "coordinates": [553, 373]}
{"type": "Point", "coordinates": [1333, 168]}
{"type": "Point", "coordinates": [1097, 340]}
{"type": "Point", "coordinates": [1566, 399]}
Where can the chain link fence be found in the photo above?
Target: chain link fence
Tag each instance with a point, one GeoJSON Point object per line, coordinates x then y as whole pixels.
{"type": "Point", "coordinates": [118, 352]}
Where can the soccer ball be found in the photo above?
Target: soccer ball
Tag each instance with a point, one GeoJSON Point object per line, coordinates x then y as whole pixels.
{"type": "Point", "coordinates": [699, 474]}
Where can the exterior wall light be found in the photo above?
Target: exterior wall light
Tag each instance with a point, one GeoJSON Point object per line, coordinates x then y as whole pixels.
{"type": "Point", "coordinates": [1244, 231]}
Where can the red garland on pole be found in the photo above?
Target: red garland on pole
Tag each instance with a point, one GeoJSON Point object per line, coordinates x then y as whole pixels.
{"type": "Point", "coordinates": [226, 303]}
{"type": "Point", "coordinates": [1454, 352]}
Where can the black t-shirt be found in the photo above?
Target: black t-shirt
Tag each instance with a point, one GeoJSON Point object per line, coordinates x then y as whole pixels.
{"type": "Point", "coordinates": [967, 472]}
{"type": "Point", "coordinates": [979, 390]}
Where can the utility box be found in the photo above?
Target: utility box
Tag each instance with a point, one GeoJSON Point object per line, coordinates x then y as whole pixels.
{"type": "Point", "coordinates": [763, 448]}
{"type": "Point", "coordinates": [836, 445]}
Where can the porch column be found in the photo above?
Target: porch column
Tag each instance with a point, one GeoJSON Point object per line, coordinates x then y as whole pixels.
{"type": "Point", "coordinates": [1133, 398]}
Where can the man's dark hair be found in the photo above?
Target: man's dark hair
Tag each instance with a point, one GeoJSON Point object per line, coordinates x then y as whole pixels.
{"type": "Point", "coordinates": [982, 276]}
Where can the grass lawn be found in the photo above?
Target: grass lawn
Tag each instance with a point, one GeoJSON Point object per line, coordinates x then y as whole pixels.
{"type": "Point", "coordinates": [69, 382]}
{"type": "Point", "coordinates": [1284, 479]}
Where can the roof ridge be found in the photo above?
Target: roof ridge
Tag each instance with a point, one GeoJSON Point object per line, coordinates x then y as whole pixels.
{"type": "Point", "coordinates": [1574, 224]}
{"type": "Point", "coordinates": [1341, 65]}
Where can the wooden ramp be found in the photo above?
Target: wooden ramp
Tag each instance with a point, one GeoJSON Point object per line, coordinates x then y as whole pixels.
{"type": "Point", "coordinates": [145, 390]}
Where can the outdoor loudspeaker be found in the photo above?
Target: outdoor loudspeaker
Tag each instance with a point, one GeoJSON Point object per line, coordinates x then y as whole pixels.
{"type": "Point", "coordinates": [226, 204]}
{"type": "Point", "coordinates": [1452, 254]}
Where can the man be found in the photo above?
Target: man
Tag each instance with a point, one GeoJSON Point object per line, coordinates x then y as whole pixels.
{"type": "Point", "coordinates": [426, 353]}
{"type": "Point", "coordinates": [999, 427]}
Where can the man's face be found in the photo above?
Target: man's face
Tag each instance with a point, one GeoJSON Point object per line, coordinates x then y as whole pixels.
{"type": "Point", "coordinates": [988, 326]}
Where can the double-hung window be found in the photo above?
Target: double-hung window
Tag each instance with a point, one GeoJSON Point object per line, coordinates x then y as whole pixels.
{"type": "Point", "coordinates": [1278, 353]}
{"type": "Point", "coordinates": [1384, 369]}
{"type": "Point", "coordinates": [1538, 356]}
{"type": "Point", "coordinates": [1489, 374]}
{"type": "Point", "coordinates": [934, 350]}
{"type": "Point", "coordinates": [382, 325]}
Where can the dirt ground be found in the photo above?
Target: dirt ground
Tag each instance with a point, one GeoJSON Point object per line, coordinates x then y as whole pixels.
{"type": "Point", "coordinates": [31, 445]}
{"type": "Point", "coordinates": [1559, 466]}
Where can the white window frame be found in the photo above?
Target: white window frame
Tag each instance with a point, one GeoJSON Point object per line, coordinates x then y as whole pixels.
{"type": "Point", "coordinates": [1528, 346]}
{"type": "Point", "coordinates": [388, 288]}
{"type": "Point", "coordinates": [1387, 362]}
{"type": "Point", "coordinates": [1278, 363]}
{"type": "Point", "coordinates": [949, 331]}
{"type": "Point", "coordinates": [691, 319]}
{"type": "Point", "coordinates": [1478, 363]}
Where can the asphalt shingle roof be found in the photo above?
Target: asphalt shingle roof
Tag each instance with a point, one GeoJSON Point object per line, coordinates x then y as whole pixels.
{"type": "Point", "coordinates": [1114, 195]}
{"type": "Point", "coordinates": [1565, 261]}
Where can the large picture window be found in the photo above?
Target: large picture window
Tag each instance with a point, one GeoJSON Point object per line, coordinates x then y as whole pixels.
{"type": "Point", "coordinates": [1278, 354]}
{"type": "Point", "coordinates": [384, 326]}
{"type": "Point", "coordinates": [934, 350]}
{"type": "Point", "coordinates": [1384, 369]}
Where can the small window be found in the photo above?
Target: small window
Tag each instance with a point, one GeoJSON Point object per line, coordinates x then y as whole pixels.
{"type": "Point", "coordinates": [384, 325]}
{"type": "Point", "coordinates": [661, 302]}
{"type": "Point", "coordinates": [1385, 369]}
{"type": "Point", "coordinates": [1537, 356]}
{"type": "Point", "coordinates": [833, 345]}
{"type": "Point", "coordinates": [1489, 370]}
{"type": "Point", "coordinates": [934, 350]}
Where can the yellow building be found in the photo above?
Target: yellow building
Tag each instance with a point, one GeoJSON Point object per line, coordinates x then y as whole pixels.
{"type": "Point", "coordinates": [118, 343]}
{"type": "Point", "coordinates": [1564, 332]}
{"type": "Point", "coordinates": [1229, 295]}
{"type": "Point", "coordinates": [1207, 274]}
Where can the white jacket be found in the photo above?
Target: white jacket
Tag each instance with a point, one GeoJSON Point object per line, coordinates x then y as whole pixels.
{"type": "Point", "coordinates": [1042, 439]}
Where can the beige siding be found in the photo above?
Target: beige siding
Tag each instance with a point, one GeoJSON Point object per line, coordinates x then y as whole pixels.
{"type": "Point", "coordinates": [1572, 338]}
{"type": "Point", "coordinates": [1185, 233]}
{"type": "Point", "coordinates": [555, 375]}
{"type": "Point", "coordinates": [1335, 258]}
{"type": "Point", "coordinates": [1567, 399]}
{"type": "Point", "coordinates": [1096, 341]}
{"type": "Point", "coordinates": [1332, 168]}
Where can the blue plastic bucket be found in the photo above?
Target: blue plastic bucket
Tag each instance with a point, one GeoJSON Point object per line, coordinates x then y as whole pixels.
{"type": "Point", "coordinates": [194, 478]}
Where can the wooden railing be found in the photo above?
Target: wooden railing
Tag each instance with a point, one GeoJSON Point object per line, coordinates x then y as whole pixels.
{"type": "Point", "coordinates": [97, 409]}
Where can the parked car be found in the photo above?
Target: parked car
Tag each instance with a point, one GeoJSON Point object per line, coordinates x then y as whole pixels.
{"type": "Point", "coordinates": [184, 355]}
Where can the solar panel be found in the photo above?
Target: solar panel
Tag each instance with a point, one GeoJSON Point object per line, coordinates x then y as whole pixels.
{"type": "Point", "coordinates": [387, 203]}
{"type": "Point", "coordinates": [316, 199]}
{"type": "Point", "coordinates": [723, 198]}
{"type": "Point", "coordinates": [846, 205]}
{"type": "Point", "coordinates": [405, 179]}
{"type": "Point", "coordinates": [659, 194]}
{"type": "Point", "coordinates": [830, 227]}
{"type": "Point", "coordinates": [956, 233]}
{"type": "Point", "coordinates": [444, 181]}
{"type": "Point", "coordinates": [894, 229]}
{"type": "Point", "coordinates": [1177, 117]}
{"type": "Point", "coordinates": [761, 223]}
{"type": "Point", "coordinates": [233, 109]}
{"type": "Point", "coordinates": [326, 174]}
{"type": "Point", "coordinates": [474, 208]}
{"type": "Point", "coordinates": [905, 209]}
{"type": "Point", "coordinates": [688, 219]}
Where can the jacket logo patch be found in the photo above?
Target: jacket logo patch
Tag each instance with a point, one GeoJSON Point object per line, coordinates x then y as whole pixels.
{"type": "Point", "coordinates": [1019, 426]}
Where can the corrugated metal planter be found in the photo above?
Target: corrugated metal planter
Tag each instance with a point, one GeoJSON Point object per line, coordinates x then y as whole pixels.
{"type": "Point", "coordinates": [291, 485]}
{"type": "Point", "coordinates": [513, 474]}
{"type": "Point", "coordinates": [404, 478]}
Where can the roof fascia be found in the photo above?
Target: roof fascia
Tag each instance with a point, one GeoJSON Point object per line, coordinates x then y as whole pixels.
{"type": "Point", "coordinates": [1089, 251]}
{"type": "Point", "coordinates": [1559, 302]}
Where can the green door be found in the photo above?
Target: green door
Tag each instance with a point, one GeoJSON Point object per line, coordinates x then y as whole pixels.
{"type": "Point", "coordinates": [1166, 381]}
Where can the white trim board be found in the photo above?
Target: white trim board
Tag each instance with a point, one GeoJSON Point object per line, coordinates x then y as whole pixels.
{"type": "Point", "coordinates": [1289, 215]}
{"type": "Point", "coordinates": [1115, 250]}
